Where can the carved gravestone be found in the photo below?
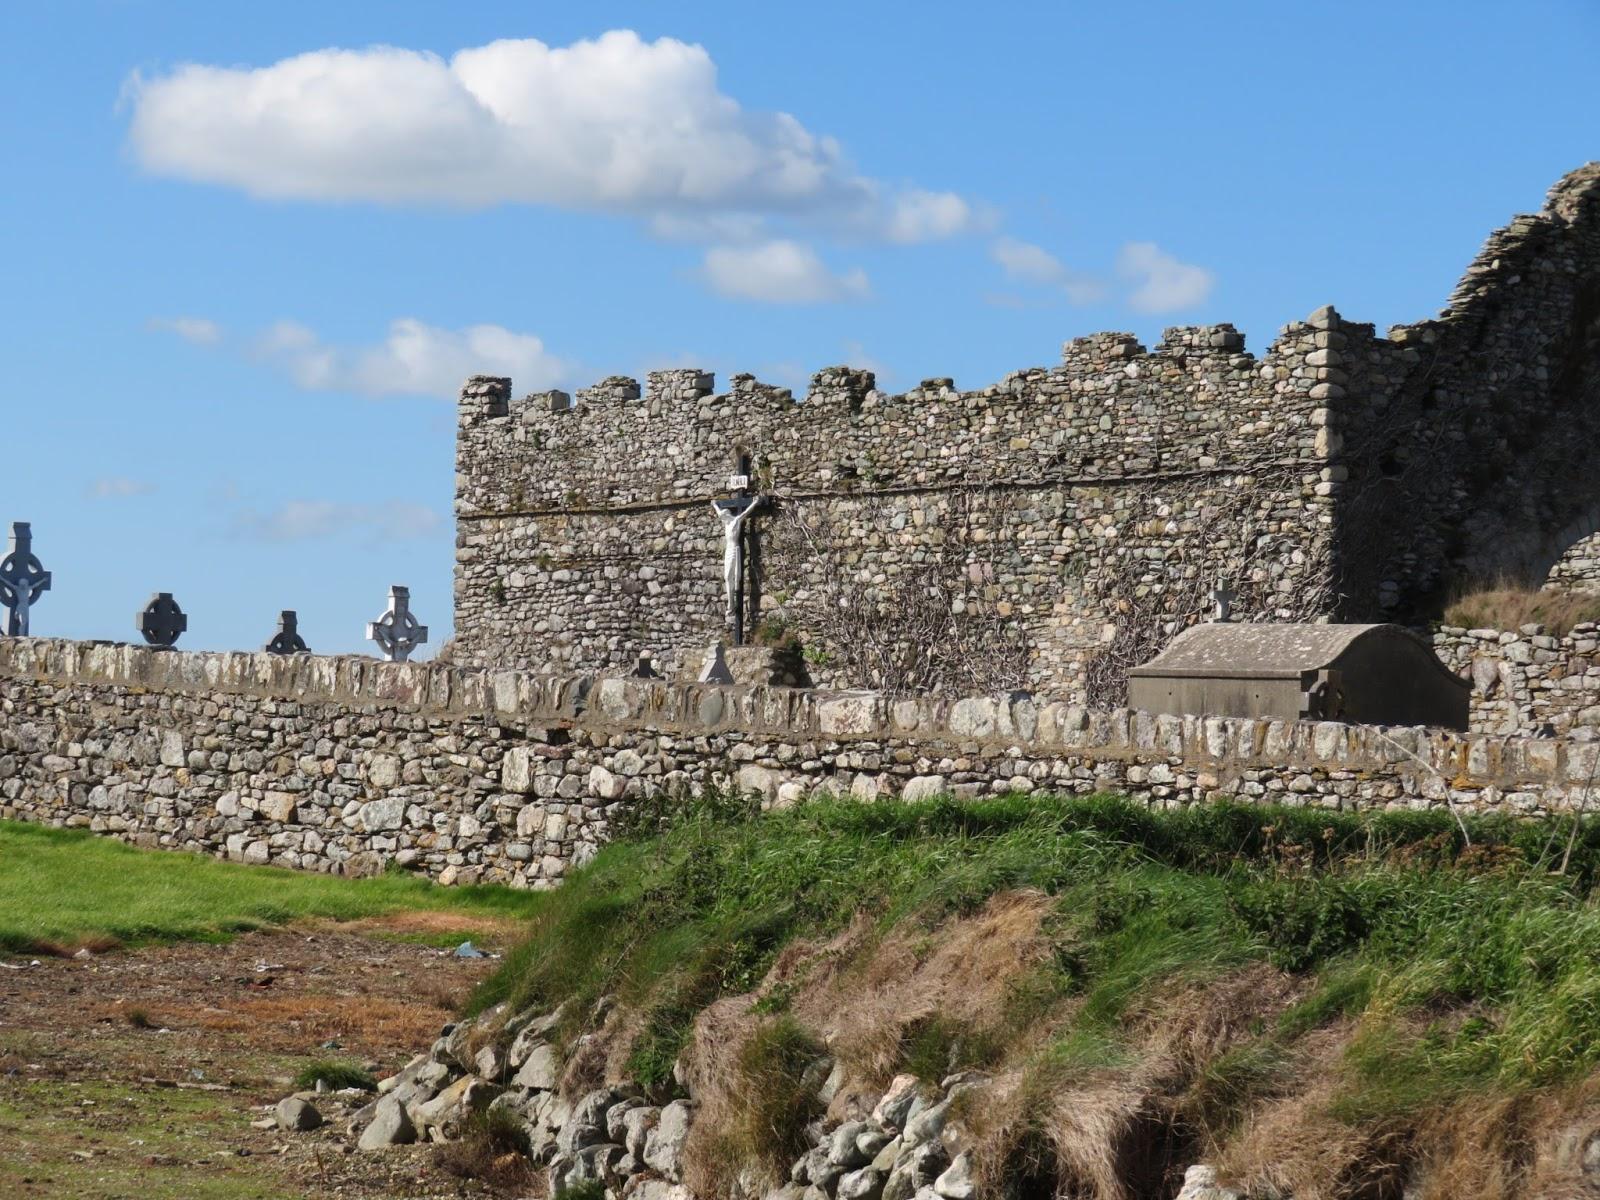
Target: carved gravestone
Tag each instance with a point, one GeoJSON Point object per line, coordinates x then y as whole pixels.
{"type": "Point", "coordinates": [161, 621]}
{"type": "Point", "coordinates": [397, 632]}
{"type": "Point", "coordinates": [22, 579]}
{"type": "Point", "coordinates": [287, 640]}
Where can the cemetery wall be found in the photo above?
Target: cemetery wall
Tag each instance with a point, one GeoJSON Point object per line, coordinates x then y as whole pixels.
{"type": "Point", "coordinates": [1082, 511]}
{"type": "Point", "coordinates": [345, 764]}
{"type": "Point", "coordinates": [1527, 681]}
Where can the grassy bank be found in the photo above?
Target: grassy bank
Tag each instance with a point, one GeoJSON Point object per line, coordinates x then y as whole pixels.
{"type": "Point", "coordinates": [64, 888]}
{"type": "Point", "coordinates": [1372, 973]}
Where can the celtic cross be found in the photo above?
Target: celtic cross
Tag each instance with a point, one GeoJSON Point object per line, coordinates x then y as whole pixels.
{"type": "Point", "coordinates": [161, 621]}
{"type": "Point", "coordinates": [22, 577]}
{"type": "Point", "coordinates": [287, 640]}
{"type": "Point", "coordinates": [397, 632]}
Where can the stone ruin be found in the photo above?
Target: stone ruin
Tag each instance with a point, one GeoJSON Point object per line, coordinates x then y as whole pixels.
{"type": "Point", "coordinates": [1059, 527]}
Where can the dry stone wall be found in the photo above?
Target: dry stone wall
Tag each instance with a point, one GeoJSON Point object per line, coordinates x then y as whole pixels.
{"type": "Point", "coordinates": [346, 764]}
{"type": "Point", "coordinates": [1527, 681]}
{"type": "Point", "coordinates": [1088, 508]}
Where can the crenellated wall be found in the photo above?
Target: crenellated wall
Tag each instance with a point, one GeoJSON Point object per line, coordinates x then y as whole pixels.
{"type": "Point", "coordinates": [1087, 509]}
{"type": "Point", "coordinates": [346, 764]}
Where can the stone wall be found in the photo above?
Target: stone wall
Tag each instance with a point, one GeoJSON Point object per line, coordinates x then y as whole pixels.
{"type": "Point", "coordinates": [344, 764]}
{"type": "Point", "coordinates": [1528, 681]}
{"type": "Point", "coordinates": [1083, 510]}
{"type": "Point", "coordinates": [1578, 569]}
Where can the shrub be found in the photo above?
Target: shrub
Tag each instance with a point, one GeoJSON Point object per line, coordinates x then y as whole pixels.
{"type": "Point", "coordinates": [493, 1148]}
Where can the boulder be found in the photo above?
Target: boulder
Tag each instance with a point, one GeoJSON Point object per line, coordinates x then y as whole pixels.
{"type": "Point", "coordinates": [450, 1108]}
{"type": "Point", "coordinates": [1200, 1183]}
{"type": "Point", "coordinates": [391, 1126]}
{"type": "Point", "coordinates": [296, 1115]}
{"type": "Point", "coordinates": [927, 1125]}
{"type": "Point", "coordinates": [541, 1068]}
{"type": "Point", "coordinates": [663, 1149]}
{"type": "Point", "coordinates": [895, 1107]}
{"type": "Point", "coordinates": [957, 1182]}
{"type": "Point", "coordinates": [863, 1184]}
{"type": "Point", "coordinates": [842, 1148]}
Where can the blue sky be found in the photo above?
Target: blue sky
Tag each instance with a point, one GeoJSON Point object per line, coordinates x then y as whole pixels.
{"type": "Point", "coordinates": [248, 253]}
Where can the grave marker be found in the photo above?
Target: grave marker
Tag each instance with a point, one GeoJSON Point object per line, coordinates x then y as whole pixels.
{"type": "Point", "coordinates": [397, 632]}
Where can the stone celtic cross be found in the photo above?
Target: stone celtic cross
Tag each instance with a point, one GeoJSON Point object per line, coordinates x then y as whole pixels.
{"type": "Point", "coordinates": [161, 621]}
{"type": "Point", "coordinates": [397, 632]}
{"type": "Point", "coordinates": [22, 578]}
{"type": "Point", "coordinates": [287, 640]}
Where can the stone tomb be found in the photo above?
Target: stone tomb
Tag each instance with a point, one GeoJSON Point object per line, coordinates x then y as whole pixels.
{"type": "Point", "coordinates": [1367, 674]}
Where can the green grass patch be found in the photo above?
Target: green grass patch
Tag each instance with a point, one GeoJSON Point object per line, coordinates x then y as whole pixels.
{"type": "Point", "coordinates": [335, 1074]}
{"type": "Point", "coordinates": [1393, 918]}
{"type": "Point", "coordinates": [61, 887]}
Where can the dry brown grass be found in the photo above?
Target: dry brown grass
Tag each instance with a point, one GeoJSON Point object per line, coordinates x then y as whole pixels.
{"type": "Point", "coordinates": [1508, 606]}
{"type": "Point", "coordinates": [373, 1021]}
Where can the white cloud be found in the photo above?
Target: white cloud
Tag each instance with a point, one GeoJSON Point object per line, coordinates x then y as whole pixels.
{"type": "Point", "coordinates": [615, 123]}
{"type": "Point", "coordinates": [303, 520]}
{"type": "Point", "coordinates": [118, 487]}
{"type": "Point", "coordinates": [1161, 282]}
{"type": "Point", "coordinates": [416, 359]}
{"type": "Point", "coordinates": [1027, 263]}
{"type": "Point", "coordinates": [779, 272]}
{"type": "Point", "coordinates": [197, 330]}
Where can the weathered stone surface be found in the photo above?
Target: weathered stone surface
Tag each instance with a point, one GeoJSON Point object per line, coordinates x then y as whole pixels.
{"type": "Point", "coordinates": [664, 1144]}
{"type": "Point", "coordinates": [541, 1068]}
{"type": "Point", "coordinates": [391, 1126]}
{"type": "Point", "coordinates": [296, 1115]}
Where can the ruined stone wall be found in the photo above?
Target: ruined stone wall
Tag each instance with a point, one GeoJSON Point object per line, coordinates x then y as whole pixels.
{"type": "Point", "coordinates": [1578, 569]}
{"type": "Point", "coordinates": [1067, 503]}
{"type": "Point", "coordinates": [1084, 511]}
{"type": "Point", "coordinates": [346, 764]}
{"type": "Point", "coordinates": [1467, 439]}
{"type": "Point", "coordinates": [1527, 681]}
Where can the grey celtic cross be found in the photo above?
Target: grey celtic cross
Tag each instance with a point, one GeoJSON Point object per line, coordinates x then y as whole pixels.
{"type": "Point", "coordinates": [161, 621]}
{"type": "Point", "coordinates": [1223, 597]}
{"type": "Point", "coordinates": [287, 640]}
{"type": "Point", "coordinates": [397, 632]}
{"type": "Point", "coordinates": [22, 577]}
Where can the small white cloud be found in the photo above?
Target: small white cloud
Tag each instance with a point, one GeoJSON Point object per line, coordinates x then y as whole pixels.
{"type": "Point", "coordinates": [416, 359]}
{"type": "Point", "coordinates": [115, 487]}
{"type": "Point", "coordinates": [1027, 263]}
{"type": "Point", "coordinates": [614, 123]}
{"type": "Point", "coordinates": [1161, 282]}
{"type": "Point", "coordinates": [197, 330]}
{"type": "Point", "coordinates": [779, 272]}
{"type": "Point", "coordinates": [304, 520]}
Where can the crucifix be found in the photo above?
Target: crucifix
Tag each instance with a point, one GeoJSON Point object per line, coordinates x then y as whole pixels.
{"type": "Point", "coordinates": [733, 512]}
{"type": "Point", "coordinates": [1223, 597]}
{"type": "Point", "coordinates": [22, 577]}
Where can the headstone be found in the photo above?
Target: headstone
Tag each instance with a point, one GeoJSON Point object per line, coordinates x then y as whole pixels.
{"type": "Point", "coordinates": [644, 670]}
{"type": "Point", "coordinates": [161, 621]}
{"type": "Point", "coordinates": [716, 668]}
{"type": "Point", "coordinates": [397, 632]}
{"type": "Point", "coordinates": [1223, 597]}
{"type": "Point", "coordinates": [22, 578]}
{"type": "Point", "coordinates": [287, 640]}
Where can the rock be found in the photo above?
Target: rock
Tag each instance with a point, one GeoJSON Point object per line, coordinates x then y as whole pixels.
{"type": "Point", "coordinates": [637, 1124]}
{"type": "Point", "coordinates": [450, 1108]}
{"type": "Point", "coordinates": [870, 1141]}
{"type": "Point", "coordinates": [957, 1182]}
{"type": "Point", "coordinates": [297, 1116]}
{"type": "Point", "coordinates": [817, 1168]}
{"type": "Point", "coordinates": [663, 1148]}
{"type": "Point", "coordinates": [616, 1120]}
{"type": "Point", "coordinates": [891, 1112]}
{"type": "Point", "coordinates": [529, 1031]}
{"type": "Point", "coordinates": [915, 1171]}
{"type": "Point", "coordinates": [391, 1126]}
{"type": "Point", "coordinates": [923, 787]}
{"type": "Point", "coordinates": [864, 1184]}
{"type": "Point", "coordinates": [490, 1064]}
{"type": "Point", "coordinates": [540, 1069]}
{"type": "Point", "coordinates": [658, 1189]}
{"type": "Point", "coordinates": [1200, 1183]}
{"type": "Point", "coordinates": [927, 1125]}
{"type": "Point", "coordinates": [842, 1148]}
{"type": "Point", "coordinates": [832, 1084]}
{"type": "Point", "coordinates": [586, 1125]}
{"type": "Point", "coordinates": [888, 1155]}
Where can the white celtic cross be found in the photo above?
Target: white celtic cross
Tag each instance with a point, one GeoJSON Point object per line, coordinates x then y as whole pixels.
{"type": "Point", "coordinates": [397, 632]}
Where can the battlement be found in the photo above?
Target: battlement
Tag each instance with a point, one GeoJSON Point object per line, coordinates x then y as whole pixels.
{"type": "Point", "coordinates": [1336, 473]}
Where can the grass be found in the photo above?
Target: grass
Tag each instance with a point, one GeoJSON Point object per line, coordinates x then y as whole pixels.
{"type": "Point", "coordinates": [1509, 606]}
{"type": "Point", "coordinates": [1463, 967]}
{"type": "Point", "coordinates": [61, 889]}
{"type": "Point", "coordinates": [335, 1074]}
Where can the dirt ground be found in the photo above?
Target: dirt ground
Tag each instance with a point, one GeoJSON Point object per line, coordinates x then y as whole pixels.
{"type": "Point", "coordinates": [137, 1073]}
